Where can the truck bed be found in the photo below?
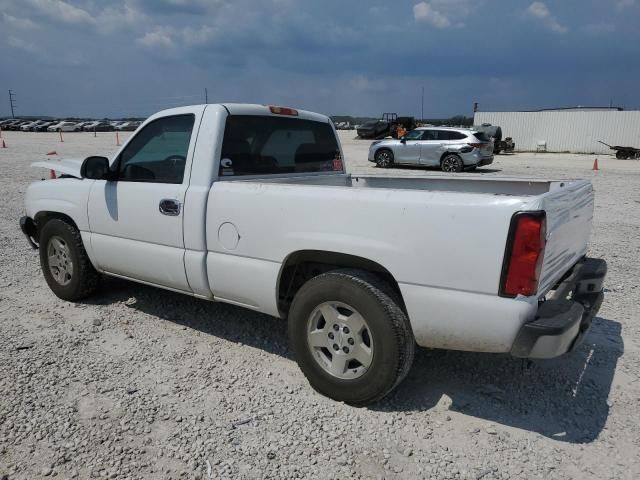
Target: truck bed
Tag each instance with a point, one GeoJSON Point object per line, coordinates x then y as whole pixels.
{"type": "Point", "coordinates": [464, 217]}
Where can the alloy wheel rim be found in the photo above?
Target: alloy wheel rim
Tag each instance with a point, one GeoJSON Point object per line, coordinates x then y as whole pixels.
{"type": "Point", "coordinates": [450, 164]}
{"type": "Point", "coordinates": [340, 340]}
{"type": "Point", "coordinates": [383, 159]}
{"type": "Point", "coordinates": [59, 260]}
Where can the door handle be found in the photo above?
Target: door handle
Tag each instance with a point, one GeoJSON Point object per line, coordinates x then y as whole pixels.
{"type": "Point", "coordinates": [169, 206]}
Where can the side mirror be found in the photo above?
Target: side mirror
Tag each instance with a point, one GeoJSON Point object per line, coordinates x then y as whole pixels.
{"type": "Point", "coordinates": [95, 168]}
{"type": "Point", "coordinates": [403, 139]}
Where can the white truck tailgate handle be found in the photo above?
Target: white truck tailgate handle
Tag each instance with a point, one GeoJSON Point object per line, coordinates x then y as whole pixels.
{"type": "Point", "coordinates": [169, 206]}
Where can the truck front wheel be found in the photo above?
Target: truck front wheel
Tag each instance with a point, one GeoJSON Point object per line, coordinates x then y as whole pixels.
{"type": "Point", "coordinates": [65, 263]}
{"type": "Point", "coordinates": [350, 337]}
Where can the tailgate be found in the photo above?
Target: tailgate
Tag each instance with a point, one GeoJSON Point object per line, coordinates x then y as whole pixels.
{"type": "Point", "coordinates": [569, 209]}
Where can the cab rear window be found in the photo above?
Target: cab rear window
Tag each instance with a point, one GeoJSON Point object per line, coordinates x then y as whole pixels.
{"type": "Point", "coordinates": [263, 145]}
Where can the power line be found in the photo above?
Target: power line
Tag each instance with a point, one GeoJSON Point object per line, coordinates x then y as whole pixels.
{"type": "Point", "coordinates": [12, 103]}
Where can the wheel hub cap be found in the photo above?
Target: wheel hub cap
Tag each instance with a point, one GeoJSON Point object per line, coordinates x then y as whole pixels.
{"type": "Point", "coordinates": [339, 339]}
{"type": "Point", "coordinates": [59, 259]}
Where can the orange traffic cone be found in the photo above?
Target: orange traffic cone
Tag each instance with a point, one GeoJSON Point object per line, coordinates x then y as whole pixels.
{"type": "Point", "coordinates": [4, 145]}
{"type": "Point", "coordinates": [53, 152]}
{"type": "Point", "coordinates": [595, 165]}
{"type": "Point", "coordinates": [52, 174]}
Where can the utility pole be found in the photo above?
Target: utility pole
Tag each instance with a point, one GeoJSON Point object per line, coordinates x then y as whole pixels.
{"type": "Point", "coordinates": [12, 103]}
{"type": "Point", "coordinates": [206, 95]}
{"type": "Point", "coordinates": [422, 108]}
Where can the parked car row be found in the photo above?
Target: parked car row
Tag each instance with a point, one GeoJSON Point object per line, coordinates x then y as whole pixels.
{"type": "Point", "coordinates": [68, 126]}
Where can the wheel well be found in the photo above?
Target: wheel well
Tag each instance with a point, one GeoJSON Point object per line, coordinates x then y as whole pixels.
{"type": "Point", "coordinates": [302, 266]}
{"type": "Point", "coordinates": [41, 219]}
{"type": "Point", "coordinates": [448, 153]}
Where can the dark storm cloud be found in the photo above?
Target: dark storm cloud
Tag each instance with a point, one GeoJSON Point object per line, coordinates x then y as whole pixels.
{"type": "Point", "coordinates": [136, 56]}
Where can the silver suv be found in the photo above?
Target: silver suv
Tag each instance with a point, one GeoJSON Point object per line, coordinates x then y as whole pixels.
{"type": "Point", "coordinates": [452, 149]}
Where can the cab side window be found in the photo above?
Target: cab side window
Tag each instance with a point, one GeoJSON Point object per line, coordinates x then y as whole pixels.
{"type": "Point", "coordinates": [158, 152]}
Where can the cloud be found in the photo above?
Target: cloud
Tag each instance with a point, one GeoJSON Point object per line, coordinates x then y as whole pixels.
{"type": "Point", "coordinates": [21, 44]}
{"type": "Point", "coordinates": [198, 36]}
{"type": "Point", "coordinates": [425, 12]}
{"type": "Point", "coordinates": [61, 11]}
{"type": "Point", "coordinates": [539, 11]}
{"type": "Point", "coordinates": [181, 7]}
{"type": "Point", "coordinates": [161, 37]}
{"type": "Point", "coordinates": [599, 28]}
{"type": "Point", "coordinates": [16, 22]}
{"type": "Point", "coordinates": [164, 37]}
{"type": "Point", "coordinates": [623, 4]}
{"type": "Point", "coordinates": [444, 13]}
{"type": "Point", "coordinates": [113, 18]}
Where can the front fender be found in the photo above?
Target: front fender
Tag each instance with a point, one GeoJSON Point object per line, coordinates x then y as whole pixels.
{"type": "Point", "coordinates": [67, 196]}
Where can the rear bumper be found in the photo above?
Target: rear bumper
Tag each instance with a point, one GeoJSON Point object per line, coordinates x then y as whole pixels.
{"type": "Point", "coordinates": [30, 231]}
{"type": "Point", "coordinates": [563, 321]}
{"type": "Point", "coordinates": [485, 161]}
{"type": "Point", "coordinates": [476, 158]}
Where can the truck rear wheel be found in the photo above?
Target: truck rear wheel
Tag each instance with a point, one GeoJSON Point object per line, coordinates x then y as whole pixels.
{"type": "Point", "coordinates": [350, 337]}
{"type": "Point", "coordinates": [65, 263]}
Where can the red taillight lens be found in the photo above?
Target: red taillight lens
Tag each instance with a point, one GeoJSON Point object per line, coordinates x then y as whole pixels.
{"type": "Point", "coordinates": [523, 259]}
{"type": "Point", "coordinates": [283, 111]}
{"type": "Point", "coordinates": [476, 145]}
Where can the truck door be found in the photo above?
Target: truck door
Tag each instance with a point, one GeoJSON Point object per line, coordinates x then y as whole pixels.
{"type": "Point", "coordinates": [136, 219]}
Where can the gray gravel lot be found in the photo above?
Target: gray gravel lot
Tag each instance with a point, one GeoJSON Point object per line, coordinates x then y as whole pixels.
{"type": "Point", "coordinates": [142, 383]}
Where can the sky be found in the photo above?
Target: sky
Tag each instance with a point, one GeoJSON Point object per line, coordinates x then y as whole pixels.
{"type": "Point", "coordinates": [117, 58]}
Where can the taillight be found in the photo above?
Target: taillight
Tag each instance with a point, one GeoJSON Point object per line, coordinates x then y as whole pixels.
{"type": "Point", "coordinates": [476, 145]}
{"type": "Point", "coordinates": [524, 254]}
{"type": "Point", "coordinates": [283, 111]}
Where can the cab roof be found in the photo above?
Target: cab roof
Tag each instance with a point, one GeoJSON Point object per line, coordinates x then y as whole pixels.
{"type": "Point", "coordinates": [246, 109]}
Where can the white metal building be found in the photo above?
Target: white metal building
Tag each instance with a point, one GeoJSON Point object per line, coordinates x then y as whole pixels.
{"type": "Point", "coordinates": [575, 130]}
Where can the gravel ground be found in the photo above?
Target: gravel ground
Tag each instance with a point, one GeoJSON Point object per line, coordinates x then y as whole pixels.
{"type": "Point", "coordinates": [142, 383]}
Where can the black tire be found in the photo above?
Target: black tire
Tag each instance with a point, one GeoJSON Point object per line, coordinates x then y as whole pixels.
{"type": "Point", "coordinates": [451, 163]}
{"type": "Point", "coordinates": [84, 279]}
{"type": "Point", "coordinates": [387, 324]}
{"type": "Point", "coordinates": [384, 158]}
{"type": "Point", "coordinates": [621, 155]}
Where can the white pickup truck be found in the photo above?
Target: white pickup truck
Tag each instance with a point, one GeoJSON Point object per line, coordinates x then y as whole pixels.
{"type": "Point", "coordinates": [251, 205]}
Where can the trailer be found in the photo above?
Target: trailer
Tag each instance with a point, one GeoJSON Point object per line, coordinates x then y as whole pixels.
{"type": "Point", "coordinates": [624, 153]}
